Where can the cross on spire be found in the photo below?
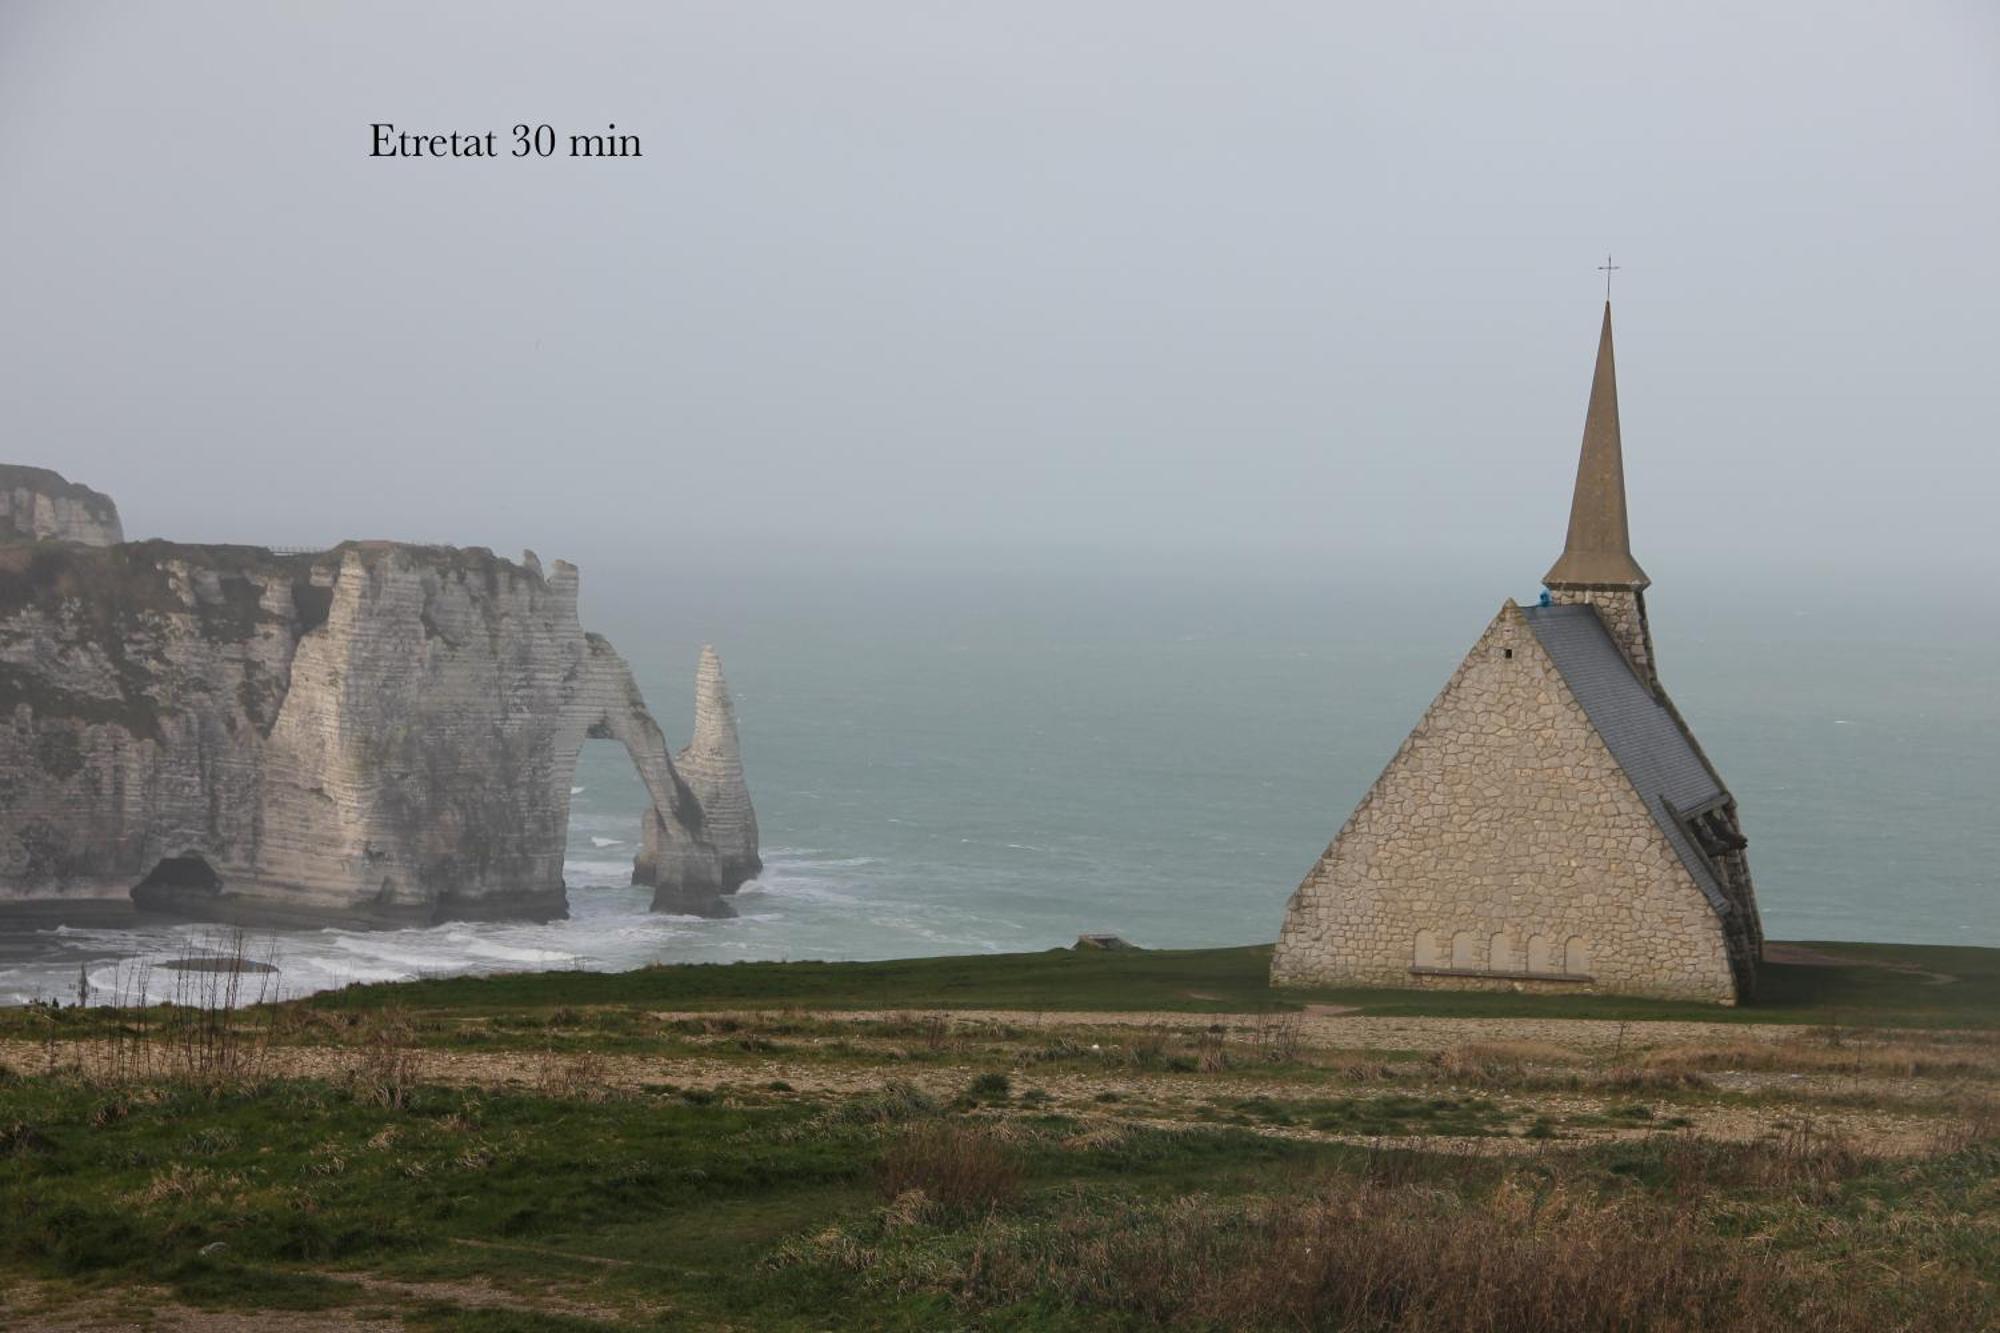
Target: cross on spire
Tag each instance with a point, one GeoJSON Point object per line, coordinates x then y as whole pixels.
{"type": "Point", "coordinates": [1607, 268]}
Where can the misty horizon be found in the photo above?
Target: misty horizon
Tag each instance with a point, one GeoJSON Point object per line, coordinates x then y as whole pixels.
{"type": "Point", "coordinates": [1137, 286]}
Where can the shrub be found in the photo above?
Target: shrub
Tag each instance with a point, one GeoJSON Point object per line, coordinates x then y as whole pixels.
{"type": "Point", "coordinates": [391, 1063]}
{"type": "Point", "coordinates": [20, 1138]}
{"type": "Point", "coordinates": [959, 1168]}
{"type": "Point", "coordinates": [1355, 1255]}
{"type": "Point", "coordinates": [1793, 1156]}
{"type": "Point", "coordinates": [989, 1087]}
{"type": "Point", "coordinates": [583, 1076]}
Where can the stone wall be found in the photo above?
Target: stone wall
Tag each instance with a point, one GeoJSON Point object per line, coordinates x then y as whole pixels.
{"type": "Point", "coordinates": [1623, 611]}
{"type": "Point", "coordinates": [39, 505]}
{"type": "Point", "coordinates": [1504, 848]}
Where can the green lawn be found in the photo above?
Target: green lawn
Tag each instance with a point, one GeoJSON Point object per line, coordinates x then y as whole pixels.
{"type": "Point", "coordinates": [891, 1210]}
{"type": "Point", "coordinates": [754, 1205]}
{"type": "Point", "coordinates": [269, 1196]}
{"type": "Point", "coordinates": [1883, 985]}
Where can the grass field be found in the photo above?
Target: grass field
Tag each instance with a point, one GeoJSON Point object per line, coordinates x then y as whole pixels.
{"type": "Point", "coordinates": [1906, 985]}
{"type": "Point", "coordinates": [1046, 1141]}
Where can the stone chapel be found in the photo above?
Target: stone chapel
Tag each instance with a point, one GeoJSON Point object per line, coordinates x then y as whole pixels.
{"type": "Point", "coordinates": [1551, 824]}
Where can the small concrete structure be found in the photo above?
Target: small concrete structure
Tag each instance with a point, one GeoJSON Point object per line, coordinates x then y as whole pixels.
{"type": "Point", "coordinates": [1551, 824]}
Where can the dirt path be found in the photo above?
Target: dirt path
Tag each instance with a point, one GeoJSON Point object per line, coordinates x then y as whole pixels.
{"type": "Point", "coordinates": [1332, 1027]}
{"type": "Point", "coordinates": [39, 1308]}
{"type": "Point", "coordinates": [1906, 1115]}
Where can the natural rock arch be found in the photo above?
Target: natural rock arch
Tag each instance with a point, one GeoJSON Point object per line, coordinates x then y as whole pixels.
{"type": "Point", "coordinates": [687, 865]}
{"type": "Point", "coordinates": [386, 735]}
{"type": "Point", "coordinates": [609, 707]}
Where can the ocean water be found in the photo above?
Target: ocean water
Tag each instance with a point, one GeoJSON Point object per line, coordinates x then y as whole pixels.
{"type": "Point", "coordinates": [962, 764]}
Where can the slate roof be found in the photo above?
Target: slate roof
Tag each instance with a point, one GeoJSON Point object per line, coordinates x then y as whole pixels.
{"type": "Point", "coordinates": [1643, 736]}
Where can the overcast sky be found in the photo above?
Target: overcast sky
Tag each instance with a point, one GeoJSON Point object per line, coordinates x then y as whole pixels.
{"type": "Point", "coordinates": [1280, 285]}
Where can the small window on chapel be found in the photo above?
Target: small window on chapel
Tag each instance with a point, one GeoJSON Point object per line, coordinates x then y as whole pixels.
{"type": "Point", "coordinates": [1507, 653]}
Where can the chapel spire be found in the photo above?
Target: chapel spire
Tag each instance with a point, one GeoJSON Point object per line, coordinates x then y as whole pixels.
{"type": "Point", "coordinates": [1598, 553]}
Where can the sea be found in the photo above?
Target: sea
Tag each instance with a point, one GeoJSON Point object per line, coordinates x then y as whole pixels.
{"type": "Point", "coordinates": [949, 762]}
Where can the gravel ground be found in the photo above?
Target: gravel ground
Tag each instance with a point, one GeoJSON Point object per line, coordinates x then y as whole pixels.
{"type": "Point", "coordinates": [1883, 1115]}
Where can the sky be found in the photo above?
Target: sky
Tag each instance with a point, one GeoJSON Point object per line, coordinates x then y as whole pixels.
{"type": "Point", "coordinates": [1263, 287]}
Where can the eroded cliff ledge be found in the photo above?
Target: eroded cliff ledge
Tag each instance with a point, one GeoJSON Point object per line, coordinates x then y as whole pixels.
{"type": "Point", "coordinates": [39, 505]}
{"type": "Point", "coordinates": [377, 734]}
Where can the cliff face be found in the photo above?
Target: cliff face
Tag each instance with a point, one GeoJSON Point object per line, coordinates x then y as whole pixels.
{"type": "Point", "coordinates": [376, 734]}
{"type": "Point", "coordinates": [712, 766]}
{"type": "Point", "coordinates": [39, 505]}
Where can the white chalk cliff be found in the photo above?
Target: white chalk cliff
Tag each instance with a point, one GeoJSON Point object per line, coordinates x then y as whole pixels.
{"type": "Point", "coordinates": [39, 505]}
{"type": "Point", "coordinates": [712, 766]}
{"type": "Point", "coordinates": [377, 734]}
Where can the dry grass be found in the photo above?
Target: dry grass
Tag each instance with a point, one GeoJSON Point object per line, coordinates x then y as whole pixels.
{"type": "Point", "coordinates": [1099, 1137]}
{"type": "Point", "coordinates": [582, 1076]}
{"type": "Point", "coordinates": [1546, 1066]}
{"type": "Point", "coordinates": [1537, 1252]}
{"type": "Point", "coordinates": [1500, 1061]}
{"type": "Point", "coordinates": [934, 1032]}
{"type": "Point", "coordinates": [1630, 1079]}
{"type": "Point", "coordinates": [214, 1030]}
{"type": "Point", "coordinates": [392, 1065]}
{"type": "Point", "coordinates": [1833, 1053]}
{"type": "Point", "coordinates": [180, 1183]}
{"type": "Point", "coordinates": [1974, 1120]}
{"type": "Point", "coordinates": [959, 1168]}
{"type": "Point", "coordinates": [1797, 1156]}
{"type": "Point", "coordinates": [1520, 1052]}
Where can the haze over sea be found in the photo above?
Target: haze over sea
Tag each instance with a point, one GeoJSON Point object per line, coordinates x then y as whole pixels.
{"type": "Point", "coordinates": [947, 762]}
